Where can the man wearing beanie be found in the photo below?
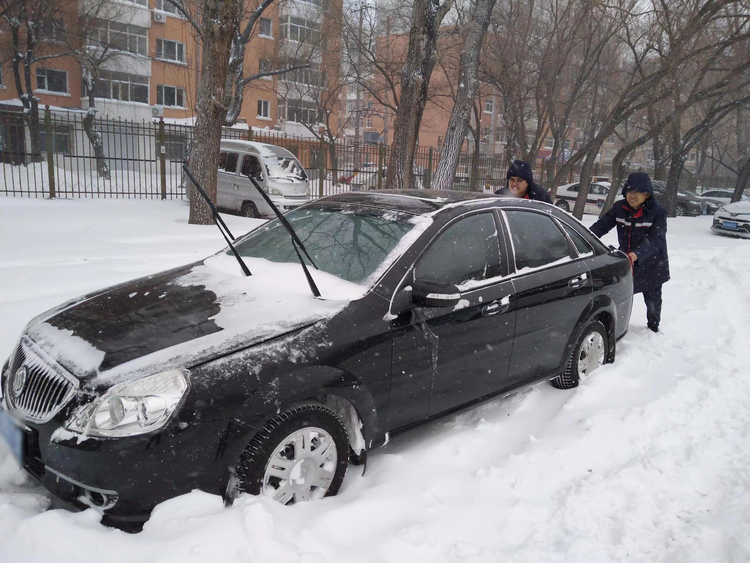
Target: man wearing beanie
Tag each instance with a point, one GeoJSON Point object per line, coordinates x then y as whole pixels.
{"type": "Point", "coordinates": [521, 183]}
{"type": "Point", "coordinates": [642, 232]}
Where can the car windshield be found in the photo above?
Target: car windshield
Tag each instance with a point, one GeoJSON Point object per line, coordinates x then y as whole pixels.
{"type": "Point", "coordinates": [284, 167]}
{"type": "Point", "coordinates": [345, 241]}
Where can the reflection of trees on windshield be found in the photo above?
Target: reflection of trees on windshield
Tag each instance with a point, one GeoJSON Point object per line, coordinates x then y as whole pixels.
{"type": "Point", "coordinates": [348, 245]}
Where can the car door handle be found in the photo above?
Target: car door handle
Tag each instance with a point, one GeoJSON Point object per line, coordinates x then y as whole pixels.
{"type": "Point", "coordinates": [236, 186]}
{"type": "Point", "coordinates": [578, 281]}
{"type": "Point", "coordinates": [496, 307]}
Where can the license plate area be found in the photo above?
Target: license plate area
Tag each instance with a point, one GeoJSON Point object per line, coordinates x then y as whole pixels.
{"type": "Point", "coordinates": [729, 225]}
{"type": "Point", "coordinates": [13, 435]}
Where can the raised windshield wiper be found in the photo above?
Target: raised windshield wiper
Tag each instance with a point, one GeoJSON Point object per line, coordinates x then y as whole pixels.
{"type": "Point", "coordinates": [295, 239]}
{"type": "Point", "coordinates": [219, 221]}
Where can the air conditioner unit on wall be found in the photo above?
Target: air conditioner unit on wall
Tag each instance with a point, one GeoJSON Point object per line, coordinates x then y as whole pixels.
{"type": "Point", "coordinates": [157, 111]}
{"type": "Point", "coordinates": [160, 17]}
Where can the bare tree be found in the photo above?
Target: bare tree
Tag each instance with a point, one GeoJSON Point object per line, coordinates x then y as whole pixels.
{"type": "Point", "coordinates": [743, 152]}
{"type": "Point", "coordinates": [427, 16]}
{"type": "Point", "coordinates": [473, 36]}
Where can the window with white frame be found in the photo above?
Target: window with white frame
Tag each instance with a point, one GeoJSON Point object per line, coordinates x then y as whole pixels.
{"type": "Point", "coordinates": [139, 2]}
{"type": "Point", "coordinates": [125, 37]}
{"type": "Point", "coordinates": [121, 86]}
{"type": "Point", "coordinates": [499, 135]}
{"type": "Point", "coordinates": [53, 29]}
{"type": "Point", "coordinates": [264, 108]}
{"type": "Point", "coordinates": [264, 65]}
{"type": "Point", "coordinates": [299, 30]}
{"type": "Point", "coordinates": [265, 28]}
{"type": "Point", "coordinates": [489, 106]}
{"type": "Point", "coordinates": [51, 80]}
{"type": "Point", "coordinates": [549, 143]}
{"type": "Point", "coordinates": [167, 50]}
{"type": "Point", "coordinates": [299, 111]}
{"type": "Point", "coordinates": [567, 144]}
{"type": "Point", "coordinates": [170, 96]}
{"type": "Point", "coordinates": [369, 123]}
{"type": "Point", "coordinates": [311, 76]}
{"type": "Point", "coordinates": [691, 157]}
{"type": "Point", "coordinates": [351, 106]}
{"type": "Point", "coordinates": [168, 6]}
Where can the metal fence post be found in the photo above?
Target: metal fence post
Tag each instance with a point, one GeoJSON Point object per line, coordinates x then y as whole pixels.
{"type": "Point", "coordinates": [381, 159]}
{"type": "Point", "coordinates": [163, 159]}
{"type": "Point", "coordinates": [322, 168]}
{"type": "Point", "coordinates": [50, 151]}
{"type": "Point", "coordinates": [428, 176]}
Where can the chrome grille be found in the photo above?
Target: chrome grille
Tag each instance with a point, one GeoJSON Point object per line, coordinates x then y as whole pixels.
{"type": "Point", "coordinates": [47, 388]}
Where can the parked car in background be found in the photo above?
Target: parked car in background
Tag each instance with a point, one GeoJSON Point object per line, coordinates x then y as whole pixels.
{"type": "Point", "coordinates": [712, 205]}
{"type": "Point", "coordinates": [733, 219]}
{"type": "Point", "coordinates": [367, 178]}
{"type": "Point", "coordinates": [276, 169]}
{"type": "Point", "coordinates": [567, 195]}
{"type": "Point", "coordinates": [202, 378]}
{"type": "Point", "coordinates": [724, 196]}
{"type": "Point", "coordinates": [687, 205]}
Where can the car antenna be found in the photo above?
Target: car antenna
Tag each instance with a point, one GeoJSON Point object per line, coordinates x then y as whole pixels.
{"type": "Point", "coordinates": [219, 221]}
{"type": "Point", "coordinates": [295, 239]}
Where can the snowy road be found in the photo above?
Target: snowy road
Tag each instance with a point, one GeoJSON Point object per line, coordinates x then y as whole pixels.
{"type": "Point", "coordinates": [648, 460]}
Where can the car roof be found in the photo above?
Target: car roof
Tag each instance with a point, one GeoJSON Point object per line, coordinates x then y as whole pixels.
{"type": "Point", "coordinates": [422, 202]}
{"type": "Point", "coordinates": [263, 149]}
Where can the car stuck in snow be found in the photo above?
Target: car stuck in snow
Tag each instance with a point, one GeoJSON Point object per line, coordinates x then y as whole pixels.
{"type": "Point", "coordinates": [202, 378]}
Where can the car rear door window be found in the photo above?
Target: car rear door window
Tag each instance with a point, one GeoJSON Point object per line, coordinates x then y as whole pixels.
{"type": "Point", "coordinates": [468, 250]}
{"type": "Point", "coordinates": [228, 163]}
{"type": "Point", "coordinates": [537, 241]}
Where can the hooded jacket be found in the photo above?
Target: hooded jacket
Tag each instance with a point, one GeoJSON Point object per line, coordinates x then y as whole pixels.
{"type": "Point", "coordinates": [643, 231]}
{"type": "Point", "coordinates": [522, 169]}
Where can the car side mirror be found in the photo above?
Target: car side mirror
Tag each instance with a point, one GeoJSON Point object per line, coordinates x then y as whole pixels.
{"type": "Point", "coordinates": [434, 294]}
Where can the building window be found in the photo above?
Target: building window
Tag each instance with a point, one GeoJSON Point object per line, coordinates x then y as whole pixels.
{"type": "Point", "coordinates": [167, 6]}
{"type": "Point", "coordinates": [139, 2]}
{"type": "Point", "coordinates": [485, 133]}
{"type": "Point", "coordinates": [311, 76]}
{"type": "Point", "coordinates": [121, 86]}
{"type": "Point", "coordinates": [265, 28]}
{"type": "Point", "coordinates": [52, 80]}
{"type": "Point", "coordinates": [369, 123]}
{"type": "Point", "coordinates": [170, 96]}
{"type": "Point", "coordinates": [167, 50]}
{"type": "Point", "coordinates": [489, 106]}
{"type": "Point", "coordinates": [300, 30]}
{"type": "Point", "coordinates": [264, 108]}
{"type": "Point", "coordinates": [131, 38]}
{"type": "Point", "coordinates": [299, 111]}
{"type": "Point", "coordinates": [53, 29]}
{"type": "Point", "coordinates": [549, 143]}
{"type": "Point", "coordinates": [499, 135]}
{"type": "Point", "coordinates": [691, 157]}
{"type": "Point", "coordinates": [567, 144]}
{"type": "Point", "coordinates": [63, 140]}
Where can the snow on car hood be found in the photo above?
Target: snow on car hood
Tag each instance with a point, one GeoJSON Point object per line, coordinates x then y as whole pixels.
{"type": "Point", "coordinates": [737, 207]}
{"type": "Point", "coordinates": [184, 316]}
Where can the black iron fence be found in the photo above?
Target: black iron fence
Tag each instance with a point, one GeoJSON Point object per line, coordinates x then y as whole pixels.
{"type": "Point", "coordinates": [54, 157]}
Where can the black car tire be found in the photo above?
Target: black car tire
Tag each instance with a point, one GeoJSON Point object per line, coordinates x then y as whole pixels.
{"type": "Point", "coordinates": [570, 377]}
{"type": "Point", "coordinates": [249, 210]}
{"type": "Point", "coordinates": [562, 204]}
{"type": "Point", "coordinates": [681, 210]}
{"type": "Point", "coordinates": [254, 461]}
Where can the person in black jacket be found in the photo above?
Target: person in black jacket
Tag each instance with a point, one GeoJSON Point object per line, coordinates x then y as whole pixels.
{"type": "Point", "coordinates": [642, 232]}
{"type": "Point", "coordinates": [521, 183]}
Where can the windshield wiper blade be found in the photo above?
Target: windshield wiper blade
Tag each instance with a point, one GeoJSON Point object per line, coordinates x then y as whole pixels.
{"type": "Point", "coordinates": [219, 221]}
{"type": "Point", "coordinates": [295, 239]}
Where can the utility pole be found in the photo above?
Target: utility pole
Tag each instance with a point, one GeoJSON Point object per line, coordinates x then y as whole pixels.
{"type": "Point", "coordinates": [358, 115]}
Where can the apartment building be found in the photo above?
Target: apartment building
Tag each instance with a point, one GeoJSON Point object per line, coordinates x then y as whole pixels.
{"type": "Point", "coordinates": [155, 71]}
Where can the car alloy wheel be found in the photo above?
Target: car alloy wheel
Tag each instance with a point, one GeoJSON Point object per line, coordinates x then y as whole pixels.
{"type": "Point", "coordinates": [589, 353]}
{"type": "Point", "coordinates": [681, 211]}
{"type": "Point", "coordinates": [300, 455]}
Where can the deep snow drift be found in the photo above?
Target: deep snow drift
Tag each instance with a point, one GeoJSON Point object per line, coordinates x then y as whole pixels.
{"type": "Point", "coordinates": [648, 460]}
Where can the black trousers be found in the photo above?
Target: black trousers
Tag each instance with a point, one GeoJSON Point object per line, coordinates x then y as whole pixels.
{"type": "Point", "coordinates": [652, 297]}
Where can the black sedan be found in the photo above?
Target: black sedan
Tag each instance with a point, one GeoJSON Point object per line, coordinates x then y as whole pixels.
{"type": "Point", "coordinates": [202, 377]}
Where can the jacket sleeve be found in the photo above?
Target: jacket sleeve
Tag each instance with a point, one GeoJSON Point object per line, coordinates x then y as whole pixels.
{"type": "Point", "coordinates": [656, 236]}
{"type": "Point", "coordinates": [605, 224]}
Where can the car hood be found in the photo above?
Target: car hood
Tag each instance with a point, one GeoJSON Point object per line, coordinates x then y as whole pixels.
{"type": "Point", "coordinates": [182, 317]}
{"type": "Point", "coordinates": [736, 208]}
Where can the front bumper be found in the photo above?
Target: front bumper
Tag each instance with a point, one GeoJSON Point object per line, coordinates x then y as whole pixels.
{"type": "Point", "coordinates": [288, 203]}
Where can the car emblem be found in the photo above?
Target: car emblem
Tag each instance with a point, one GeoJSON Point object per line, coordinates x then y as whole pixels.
{"type": "Point", "coordinates": [19, 381]}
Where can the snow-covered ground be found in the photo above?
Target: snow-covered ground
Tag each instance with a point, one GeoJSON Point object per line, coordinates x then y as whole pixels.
{"type": "Point", "coordinates": [648, 460]}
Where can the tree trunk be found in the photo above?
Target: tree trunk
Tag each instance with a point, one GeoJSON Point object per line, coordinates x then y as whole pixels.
{"type": "Point", "coordinates": [218, 27]}
{"type": "Point", "coordinates": [620, 167]}
{"type": "Point", "coordinates": [95, 138]}
{"type": "Point", "coordinates": [743, 154]}
{"type": "Point", "coordinates": [676, 163]}
{"type": "Point", "coordinates": [415, 79]}
{"type": "Point", "coordinates": [468, 84]}
{"type": "Point", "coordinates": [585, 181]}
{"type": "Point", "coordinates": [32, 104]}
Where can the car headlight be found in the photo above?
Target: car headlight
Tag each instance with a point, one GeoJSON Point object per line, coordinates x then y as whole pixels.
{"type": "Point", "coordinates": [275, 191]}
{"type": "Point", "coordinates": [132, 408]}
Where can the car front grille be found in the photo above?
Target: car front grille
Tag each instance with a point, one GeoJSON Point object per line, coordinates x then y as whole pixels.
{"type": "Point", "coordinates": [34, 389]}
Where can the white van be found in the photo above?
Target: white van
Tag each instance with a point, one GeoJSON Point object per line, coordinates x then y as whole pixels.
{"type": "Point", "coordinates": [275, 169]}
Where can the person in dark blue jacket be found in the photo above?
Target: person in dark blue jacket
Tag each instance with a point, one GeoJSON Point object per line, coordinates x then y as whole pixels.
{"type": "Point", "coordinates": [521, 183]}
{"type": "Point", "coordinates": [642, 232]}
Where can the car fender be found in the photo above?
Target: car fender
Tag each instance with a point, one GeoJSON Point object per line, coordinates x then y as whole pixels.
{"type": "Point", "coordinates": [600, 304]}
